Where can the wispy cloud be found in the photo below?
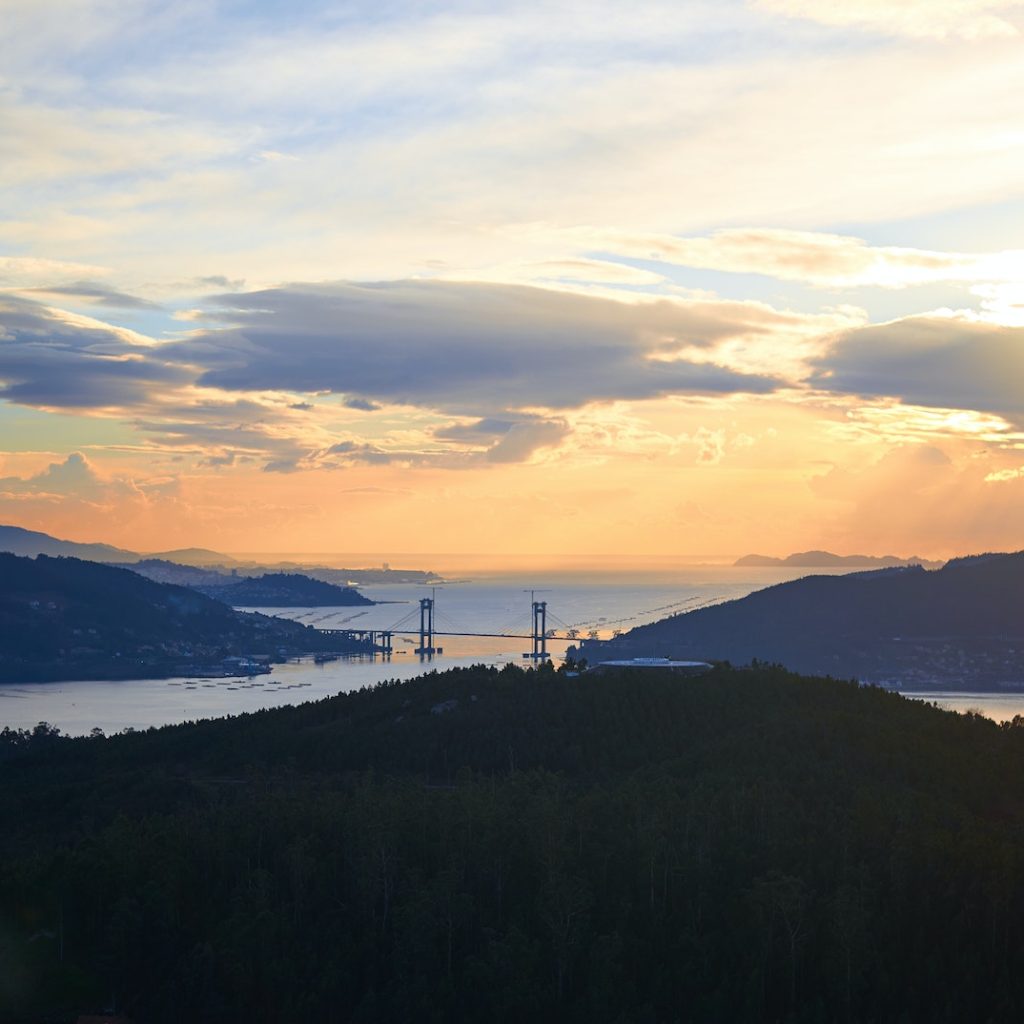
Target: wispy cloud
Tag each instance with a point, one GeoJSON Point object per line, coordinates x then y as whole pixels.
{"type": "Point", "coordinates": [818, 258]}
{"type": "Point", "coordinates": [1002, 476]}
{"type": "Point", "coordinates": [919, 19]}
{"type": "Point", "coordinates": [95, 294]}
{"type": "Point", "coordinates": [35, 272]}
{"type": "Point", "coordinates": [159, 166]}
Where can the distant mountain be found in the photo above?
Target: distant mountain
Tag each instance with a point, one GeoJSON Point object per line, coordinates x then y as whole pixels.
{"type": "Point", "coordinates": [827, 560]}
{"type": "Point", "coordinates": [159, 565]}
{"type": "Point", "coordinates": [955, 627]}
{"type": "Point", "coordinates": [284, 590]}
{"type": "Point", "coordinates": [31, 543]}
{"type": "Point", "coordinates": [240, 590]}
{"type": "Point", "coordinates": [65, 618]}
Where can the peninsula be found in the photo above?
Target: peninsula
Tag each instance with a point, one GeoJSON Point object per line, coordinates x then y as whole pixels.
{"type": "Point", "coordinates": [283, 590]}
{"type": "Point", "coordinates": [64, 618]}
{"type": "Point", "coordinates": [954, 628]}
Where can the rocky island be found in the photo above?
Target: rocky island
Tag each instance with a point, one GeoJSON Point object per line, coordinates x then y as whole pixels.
{"type": "Point", "coordinates": [828, 560]}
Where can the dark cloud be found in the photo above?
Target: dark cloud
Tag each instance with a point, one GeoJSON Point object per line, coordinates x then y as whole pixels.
{"type": "Point", "coordinates": [943, 362]}
{"type": "Point", "coordinates": [481, 431]}
{"type": "Point", "coordinates": [220, 281]}
{"type": "Point", "coordinates": [51, 361]}
{"type": "Point", "coordinates": [471, 350]}
{"type": "Point", "coordinates": [370, 454]}
{"type": "Point", "coordinates": [208, 283]}
{"type": "Point", "coordinates": [239, 431]}
{"type": "Point", "coordinates": [523, 439]}
{"type": "Point", "coordinates": [512, 438]}
{"type": "Point", "coordinates": [468, 348]}
{"type": "Point", "coordinates": [99, 295]}
{"type": "Point", "coordinates": [225, 459]}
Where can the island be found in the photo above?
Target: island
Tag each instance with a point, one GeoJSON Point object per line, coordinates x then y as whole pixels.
{"type": "Point", "coordinates": [827, 560]}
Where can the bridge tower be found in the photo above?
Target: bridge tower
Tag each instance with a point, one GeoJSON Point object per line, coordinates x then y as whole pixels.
{"type": "Point", "coordinates": [540, 631]}
{"type": "Point", "coordinates": [427, 627]}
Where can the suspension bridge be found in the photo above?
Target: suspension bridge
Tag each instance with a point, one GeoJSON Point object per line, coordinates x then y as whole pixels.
{"type": "Point", "coordinates": [381, 641]}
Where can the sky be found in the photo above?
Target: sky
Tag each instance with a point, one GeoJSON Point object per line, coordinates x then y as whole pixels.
{"type": "Point", "coordinates": [558, 279]}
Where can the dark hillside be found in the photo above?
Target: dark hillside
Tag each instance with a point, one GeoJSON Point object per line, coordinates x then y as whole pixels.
{"type": "Point", "coordinates": [284, 590]}
{"type": "Point", "coordinates": [959, 626]}
{"type": "Point", "coordinates": [503, 846]}
{"type": "Point", "coordinates": [63, 618]}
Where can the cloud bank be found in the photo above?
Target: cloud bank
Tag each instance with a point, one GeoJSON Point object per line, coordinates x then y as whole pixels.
{"type": "Point", "coordinates": [508, 357]}
{"type": "Point", "coordinates": [939, 361]}
{"type": "Point", "coordinates": [52, 359]}
{"type": "Point", "coordinates": [470, 349]}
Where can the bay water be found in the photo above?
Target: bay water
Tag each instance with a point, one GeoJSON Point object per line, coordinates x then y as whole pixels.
{"type": "Point", "coordinates": [588, 601]}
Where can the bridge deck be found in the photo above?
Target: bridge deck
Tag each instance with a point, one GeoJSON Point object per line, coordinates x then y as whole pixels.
{"type": "Point", "coordinates": [416, 632]}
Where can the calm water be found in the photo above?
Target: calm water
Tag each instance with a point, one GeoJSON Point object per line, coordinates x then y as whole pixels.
{"type": "Point", "coordinates": [488, 604]}
{"type": "Point", "coordinates": [1000, 707]}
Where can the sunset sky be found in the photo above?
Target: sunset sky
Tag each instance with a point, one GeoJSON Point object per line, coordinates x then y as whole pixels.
{"type": "Point", "coordinates": [661, 278]}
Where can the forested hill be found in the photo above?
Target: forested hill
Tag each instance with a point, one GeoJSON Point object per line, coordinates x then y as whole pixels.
{"type": "Point", "coordinates": [64, 618]}
{"type": "Point", "coordinates": [284, 590]}
{"type": "Point", "coordinates": [959, 626]}
{"type": "Point", "coordinates": [511, 846]}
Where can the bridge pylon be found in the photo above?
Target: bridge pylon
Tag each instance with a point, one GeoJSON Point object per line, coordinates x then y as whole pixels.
{"type": "Point", "coordinates": [426, 647]}
{"type": "Point", "coordinates": [539, 634]}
